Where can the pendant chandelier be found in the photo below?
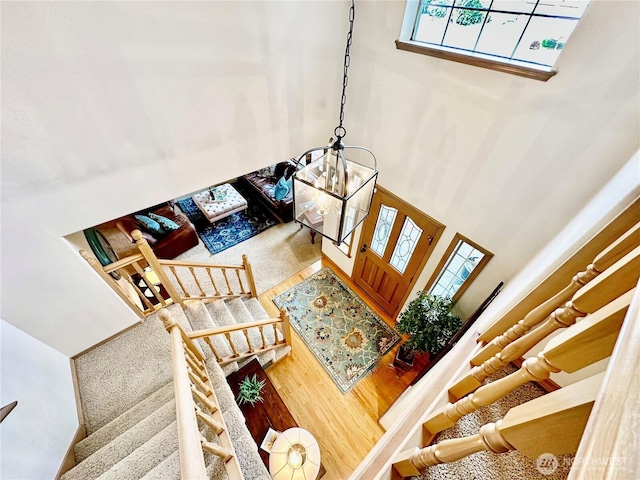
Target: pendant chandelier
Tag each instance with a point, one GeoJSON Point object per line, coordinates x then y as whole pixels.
{"type": "Point", "coordinates": [332, 193]}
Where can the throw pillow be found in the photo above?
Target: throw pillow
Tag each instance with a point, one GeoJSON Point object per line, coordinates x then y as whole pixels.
{"type": "Point", "coordinates": [150, 225]}
{"type": "Point", "coordinates": [266, 172]}
{"type": "Point", "coordinates": [282, 188]}
{"type": "Point", "coordinates": [166, 223]}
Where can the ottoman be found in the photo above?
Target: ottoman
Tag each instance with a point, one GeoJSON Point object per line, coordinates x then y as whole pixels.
{"type": "Point", "coordinates": [217, 210]}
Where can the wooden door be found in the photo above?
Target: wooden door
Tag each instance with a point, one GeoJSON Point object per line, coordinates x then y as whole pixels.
{"type": "Point", "coordinates": [396, 241]}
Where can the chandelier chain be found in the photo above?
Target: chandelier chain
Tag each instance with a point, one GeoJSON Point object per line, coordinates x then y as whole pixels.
{"type": "Point", "coordinates": [340, 132]}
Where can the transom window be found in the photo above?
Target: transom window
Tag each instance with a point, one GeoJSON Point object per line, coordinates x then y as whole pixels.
{"type": "Point", "coordinates": [527, 33]}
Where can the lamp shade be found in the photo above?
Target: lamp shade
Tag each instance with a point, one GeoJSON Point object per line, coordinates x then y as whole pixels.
{"type": "Point", "coordinates": [332, 193]}
{"type": "Point", "coordinates": [295, 455]}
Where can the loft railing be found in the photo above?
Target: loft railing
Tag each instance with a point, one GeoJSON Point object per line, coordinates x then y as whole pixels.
{"type": "Point", "coordinates": [599, 300]}
{"type": "Point", "coordinates": [147, 284]}
{"type": "Point", "coordinates": [196, 400]}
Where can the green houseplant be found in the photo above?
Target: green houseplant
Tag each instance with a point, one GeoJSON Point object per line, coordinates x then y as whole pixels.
{"type": "Point", "coordinates": [249, 390]}
{"type": "Point", "coordinates": [429, 322]}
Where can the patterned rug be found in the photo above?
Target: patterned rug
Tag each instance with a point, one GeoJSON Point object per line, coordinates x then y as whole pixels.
{"type": "Point", "coordinates": [232, 230]}
{"type": "Point", "coordinates": [343, 333]}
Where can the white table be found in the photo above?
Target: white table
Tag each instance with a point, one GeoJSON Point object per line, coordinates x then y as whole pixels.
{"type": "Point", "coordinates": [213, 210]}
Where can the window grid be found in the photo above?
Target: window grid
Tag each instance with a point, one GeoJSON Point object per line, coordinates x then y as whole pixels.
{"type": "Point", "coordinates": [405, 245]}
{"type": "Point", "coordinates": [452, 5]}
{"type": "Point", "coordinates": [453, 274]}
{"type": "Point", "coordinates": [382, 231]}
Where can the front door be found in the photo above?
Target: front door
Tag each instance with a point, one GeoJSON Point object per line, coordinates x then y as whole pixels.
{"type": "Point", "coordinates": [396, 241]}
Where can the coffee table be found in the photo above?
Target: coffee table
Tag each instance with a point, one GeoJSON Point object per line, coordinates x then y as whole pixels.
{"type": "Point", "coordinates": [217, 210]}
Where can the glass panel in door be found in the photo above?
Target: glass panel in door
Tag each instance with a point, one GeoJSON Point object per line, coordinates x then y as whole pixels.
{"type": "Point", "coordinates": [382, 230]}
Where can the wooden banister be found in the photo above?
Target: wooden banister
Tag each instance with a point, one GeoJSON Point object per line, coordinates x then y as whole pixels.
{"type": "Point", "coordinates": [616, 280]}
{"type": "Point", "coordinates": [605, 259]}
{"type": "Point", "coordinates": [553, 423]}
{"type": "Point", "coordinates": [575, 348]}
{"type": "Point", "coordinates": [209, 332]}
{"type": "Point", "coordinates": [609, 448]}
{"type": "Point", "coordinates": [191, 458]}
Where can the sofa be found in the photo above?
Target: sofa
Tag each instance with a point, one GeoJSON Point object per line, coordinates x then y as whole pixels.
{"type": "Point", "coordinates": [261, 184]}
{"type": "Point", "coordinates": [166, 246]}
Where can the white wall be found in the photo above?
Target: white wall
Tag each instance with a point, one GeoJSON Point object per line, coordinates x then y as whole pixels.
{"type": "Point", "coordinates": [36, 434]}
{"type": "Point", "coordinates": [109, 107]}
{"type": "Point", "coordinates": [506, 161]}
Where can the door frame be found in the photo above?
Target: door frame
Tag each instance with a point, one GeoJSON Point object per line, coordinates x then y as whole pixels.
{"type": "Point", "coordinates": [409, 210]}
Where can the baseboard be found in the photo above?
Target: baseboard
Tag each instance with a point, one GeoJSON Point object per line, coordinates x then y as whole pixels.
{"type": "Point", "coordinates": [69, 460]}
{"type": "Point", "coordinates": [548, 385]}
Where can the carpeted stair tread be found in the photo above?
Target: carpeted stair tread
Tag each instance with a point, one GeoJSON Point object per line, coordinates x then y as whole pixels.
{"type": "Point", "coordinates": [167, 469]}
{"type": "Point", "coordinates": [221, 388]}
{"type": "Point", "coordinates": [114, 377]}
{"type": "Point", "coordinates": [246, 449]}
{"type": "Point", "coordinates": [121, 446]}
{"type": "Point", "coordinates": [147, 456]}
{"type": "Point", "coordinates": [222, 317]}
{"type": "Point", "coordinates": [121, 424]}
{"type": "Point", "coordinates": [216, 470]}
{"type": "Point", "coordinates": [259, 313]}
{"type": "Point", "coordinates": [242, 315]}
{"type": "Point", "coordinates": [200, 319]}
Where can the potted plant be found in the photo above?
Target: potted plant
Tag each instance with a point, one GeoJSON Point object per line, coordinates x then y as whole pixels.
{"type": "Point", "coordinates": [430, 324]}
{"type": "Point", "coordinates": [249, 390]}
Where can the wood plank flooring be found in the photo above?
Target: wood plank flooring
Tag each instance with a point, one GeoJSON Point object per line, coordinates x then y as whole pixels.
{"type": "Point", "coordinates": [345, 425]}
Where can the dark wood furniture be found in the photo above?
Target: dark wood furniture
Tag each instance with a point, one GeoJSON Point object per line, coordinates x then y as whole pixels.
{"type": "Point", "coordinates": [270, 413]}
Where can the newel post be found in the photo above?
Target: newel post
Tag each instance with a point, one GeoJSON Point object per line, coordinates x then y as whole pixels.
{"type": "Point", "coordinates": [286, 325]}
{"type": "Point", "coordinates": [153, 262]}
{"type": "Point", "coordinates": [249, 272]}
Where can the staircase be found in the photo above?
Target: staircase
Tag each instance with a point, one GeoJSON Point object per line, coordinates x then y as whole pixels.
{"type": "Point", "coordinates": [142, 442]}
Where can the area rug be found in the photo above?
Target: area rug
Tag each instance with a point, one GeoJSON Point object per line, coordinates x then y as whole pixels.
{"type": "Point", "coordinates": [232, 230]}
{"type": "Point", "coordinates": [345, 335]}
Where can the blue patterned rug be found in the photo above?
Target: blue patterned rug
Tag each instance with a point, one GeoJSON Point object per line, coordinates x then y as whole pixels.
{"type": "Point", "coordinates": [232, 230]}
{"type": "Point", "coordinates": [345, 335]}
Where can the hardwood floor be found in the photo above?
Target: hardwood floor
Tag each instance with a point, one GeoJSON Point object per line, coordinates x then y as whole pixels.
{"type": "Point", "coordinates": [345, 425]}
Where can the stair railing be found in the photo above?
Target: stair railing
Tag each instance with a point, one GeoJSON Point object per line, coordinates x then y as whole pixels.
{"type": "Point", "coordinates": [621, 277]}
{"type": "Point", "coordinates": [280, 326]}
{"type": "Point", "coordinates": [196, 399]}
{"type": "Point", "coordinates": [147, 283]}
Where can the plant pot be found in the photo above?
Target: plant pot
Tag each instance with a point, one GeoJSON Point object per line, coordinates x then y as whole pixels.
{"type": "Point", "coordinates": [404, 358]}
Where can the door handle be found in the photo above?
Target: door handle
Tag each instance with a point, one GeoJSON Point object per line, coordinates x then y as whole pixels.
{"type": "Point", "coordinates": [364, 248]}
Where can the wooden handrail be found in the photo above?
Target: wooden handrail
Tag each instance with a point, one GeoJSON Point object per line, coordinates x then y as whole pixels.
{"type": "Point", "coordinates": [553, 423]}
{"type": "Point", "coordinates": [575, 348]}
{"type": "Point", "coordinates": [609, 448]}
{"type": "Point", "coordinates": [605, 259]}
{"type": "Point", "coordinates": [189, 445]}
{"type": "Point", "coordinates": [123, 262]}
{"type": "Point", "coordinates": [179, 263]}
{"type": "Point", "coordinates": [209, 332]}
{"type": "Point", "coordinates": [616, 280]}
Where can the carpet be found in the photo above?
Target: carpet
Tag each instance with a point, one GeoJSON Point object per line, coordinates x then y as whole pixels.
{"type": "Point", "coordinates": [233, 229]}
{"type": "Point", "coordinates": [345, 335]}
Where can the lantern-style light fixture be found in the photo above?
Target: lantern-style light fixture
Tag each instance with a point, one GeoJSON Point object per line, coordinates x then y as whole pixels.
{"type": "Point", "coordinates": [332, 193]}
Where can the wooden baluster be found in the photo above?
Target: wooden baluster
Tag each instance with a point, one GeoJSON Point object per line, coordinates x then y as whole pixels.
{"type": "Point", "coordinates": [195, 367]}
{"type": "Point", "coordinates": [262, 337]}
{"type": "Point", "coordinates": [213, 283]}
{"type": "Point", "coordinates": [552, 424]}
{"type": "Point", "coordinates": [175, 274]}
{"type": "Point", "coordinates": [250, 277]}
{"type": "Point", "coordinates": [616, 280]}
{"type": "Point", "coordinates": [211, 406]}
{"type": "Point", "coordinates": [213, 349]}
{"type": "Point", "coordinates": [192, 355]}
{"type": "Point", "coordinates": [226, 279]}
{"type": "Point", "coordinates": [150, 286]}
{"type": "Point", "coordinates": [242, 290]}
{"type": "Point", "coordinates": [246, 335]}
{"type": "Point", "coordinates": [591, 340]}
{"type": "Point", "coordinates": [203, 387]}
{"type": "Point", "coordinates": [216, 426]}
{"type": "Point", "coordinates": [225, 454]}
{"type": "Point", "coordinates": [112, 283]}
{"type": "Point", "coordinates": [155, 264]}
{"type": "Point", "coordinates": [233, 347]}
{"type": "Point", "coordinates": [605, 259]}
{"type": "Point", "coordinates": [143, 297]}
{"type": "Point", "coordinates": [193, 274]}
